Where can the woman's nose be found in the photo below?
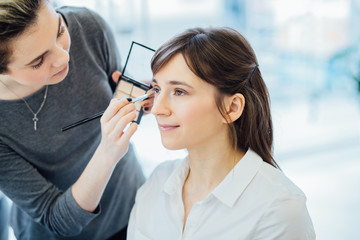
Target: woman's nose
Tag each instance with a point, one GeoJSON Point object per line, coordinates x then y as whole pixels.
{"type": "Point", "coordinates": [61, 57]}
{"type": "Point", "coordinates": [161, 105]}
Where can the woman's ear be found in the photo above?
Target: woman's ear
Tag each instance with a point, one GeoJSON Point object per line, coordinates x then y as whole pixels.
{"type": "Point", "coordinates": [235, 106]}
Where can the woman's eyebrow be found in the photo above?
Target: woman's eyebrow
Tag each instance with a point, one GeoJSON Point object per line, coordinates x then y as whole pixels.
{"type": "Point", "coordinates": [175, 82]}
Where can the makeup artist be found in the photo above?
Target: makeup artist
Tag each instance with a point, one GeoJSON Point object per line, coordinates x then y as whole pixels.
{"type": "Point", "coordinates": [57, 67]}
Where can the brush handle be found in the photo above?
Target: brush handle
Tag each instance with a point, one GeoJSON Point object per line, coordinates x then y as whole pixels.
{"type": "Point", "coordinates": [92, 117]}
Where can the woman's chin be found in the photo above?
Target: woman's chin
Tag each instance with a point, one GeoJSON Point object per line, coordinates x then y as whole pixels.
{"type": "Point", "coordinates": [171, 145]}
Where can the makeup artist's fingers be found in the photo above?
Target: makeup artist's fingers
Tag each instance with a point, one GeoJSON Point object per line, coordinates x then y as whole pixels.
{"type": "Point", "coordinates": [123, 140]}
{"type": "Point", "coordinates": [115, 76]}
{"type": "Point", "coordinates": [114, 107]}
{"type": "Point", "coordinates": [115, 113]}
{"type": "Point", "coordinates": [115, 141]}
{"type": "Point", "coordinates": [129, 132]}
{"type": "Point", "coordinates": [118, 129]}
{"type": "Point", "coordinates": [121, 114]}
{"type": "Point", "coordinates": [147, 105]}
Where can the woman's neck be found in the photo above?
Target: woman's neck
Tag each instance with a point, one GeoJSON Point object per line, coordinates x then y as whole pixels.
{"type": "Point", "coordinates": [209, 167]}
{"type": "Point", "coordinates": [11, 90]}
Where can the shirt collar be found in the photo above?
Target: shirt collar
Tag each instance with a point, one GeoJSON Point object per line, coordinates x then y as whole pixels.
{"type": "Point", "coordinates": [233, 185]}
{"type": "Point", "coordinates": [177, 178]}
{"type": "Point", "coordinates": [230, 189]}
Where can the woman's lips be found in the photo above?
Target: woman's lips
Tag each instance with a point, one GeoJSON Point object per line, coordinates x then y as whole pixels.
{"type": "Point", "coordinates": [61, 71]}
{"type": "Point", "coordinates": [167, 127]}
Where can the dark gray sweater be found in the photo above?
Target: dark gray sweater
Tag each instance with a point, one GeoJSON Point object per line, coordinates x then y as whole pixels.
{"type": "Point", "coordinates": [37, 168]}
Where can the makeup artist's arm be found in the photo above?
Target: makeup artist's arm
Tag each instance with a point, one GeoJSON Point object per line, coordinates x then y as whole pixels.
{"type": "Point", "coordinates": [88, 189]}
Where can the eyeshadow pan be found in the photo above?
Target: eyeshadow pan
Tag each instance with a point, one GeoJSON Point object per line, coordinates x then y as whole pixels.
{"type": "Point", "coordinates": [125, 87]}
{"type": "Point", "coordinates": [136, 92]}
{"type": "Point", "coordinates": [121, 95]}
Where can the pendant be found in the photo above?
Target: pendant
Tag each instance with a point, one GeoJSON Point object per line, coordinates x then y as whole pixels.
{"type": "Point", "coordinates": [35, 120]}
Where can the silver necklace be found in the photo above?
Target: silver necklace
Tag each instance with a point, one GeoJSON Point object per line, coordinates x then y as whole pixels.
{"type": "Point", "coordinates": [35, 118]}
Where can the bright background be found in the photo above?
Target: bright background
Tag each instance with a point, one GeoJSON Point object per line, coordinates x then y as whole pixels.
{"type": "Point", "coordinates": [309, 57]}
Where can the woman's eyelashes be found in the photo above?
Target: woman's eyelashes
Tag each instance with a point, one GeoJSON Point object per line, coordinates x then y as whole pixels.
{"type": "Point", "coordinates": [155, 88]}
{"type": "Point", "coordinates": [179, 92]}
{"type": "Point", "coordinates": [39, 64]}
{"type": "Point", "coordinates": [175, 91]}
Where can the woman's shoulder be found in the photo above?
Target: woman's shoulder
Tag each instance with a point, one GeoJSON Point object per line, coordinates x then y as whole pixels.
{"type": "Point", "coordinates": [82, 17]}
{"type": "Point", "coordinates": [74, 12]}
{"type": "Point", "coordinates": [267, 179]}
{"type": "Point", "coordinates": [281, 186]}
{"type": "Point", "coordinates": [92, 40]}
{"type": "Point", "coordinates": [284, 206]}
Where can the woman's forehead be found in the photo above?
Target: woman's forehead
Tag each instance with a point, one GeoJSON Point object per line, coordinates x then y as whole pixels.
{"type": "Point", "coordinates": [37, 39]}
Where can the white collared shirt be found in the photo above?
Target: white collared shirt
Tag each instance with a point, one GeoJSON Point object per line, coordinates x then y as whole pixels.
{"type": "Point", "coordinates": [254, 201]}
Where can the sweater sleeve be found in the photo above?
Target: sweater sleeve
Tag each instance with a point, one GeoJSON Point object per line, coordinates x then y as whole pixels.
{"type": "Point", "coordinates": [40, 199]}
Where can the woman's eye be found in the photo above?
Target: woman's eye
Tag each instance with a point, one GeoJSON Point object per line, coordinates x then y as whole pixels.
{"type": "Point", "coordinates": [179, 92]}
{"type": "Point", "coordinates": [39, 64]}
{"type": "Point", "coordinates": [156, 89]}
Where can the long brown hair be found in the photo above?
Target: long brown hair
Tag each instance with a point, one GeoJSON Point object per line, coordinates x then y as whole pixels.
{"type": "Point", "coordinates": [15, 17]}
{"type": "Point", "coordinates": [223, 58]}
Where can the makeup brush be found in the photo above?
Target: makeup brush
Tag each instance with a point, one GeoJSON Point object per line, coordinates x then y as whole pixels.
{"type": "Point", "coordinates": [99, 114]}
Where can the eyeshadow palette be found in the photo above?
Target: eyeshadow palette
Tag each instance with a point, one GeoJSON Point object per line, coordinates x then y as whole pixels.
{"type": "Point", "coordinates": [136, 76]}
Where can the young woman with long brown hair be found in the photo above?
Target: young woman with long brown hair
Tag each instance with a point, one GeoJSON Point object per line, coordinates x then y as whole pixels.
{"type": "Point", "coordinates": [211, 100]}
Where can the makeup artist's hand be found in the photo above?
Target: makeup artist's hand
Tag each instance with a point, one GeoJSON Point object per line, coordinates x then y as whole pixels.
{"type": "Point", "coordinates": [148, 103]}
{"type": "Point", "coordinates": [88, 189]}
{"type": "Point", "coordinates": [115, 141]}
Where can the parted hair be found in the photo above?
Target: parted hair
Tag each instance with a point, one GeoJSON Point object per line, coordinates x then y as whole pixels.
{"type": "Point", "coordinates": [15, 18]}
{"type": "Point", "coordinates": [223, 58]}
